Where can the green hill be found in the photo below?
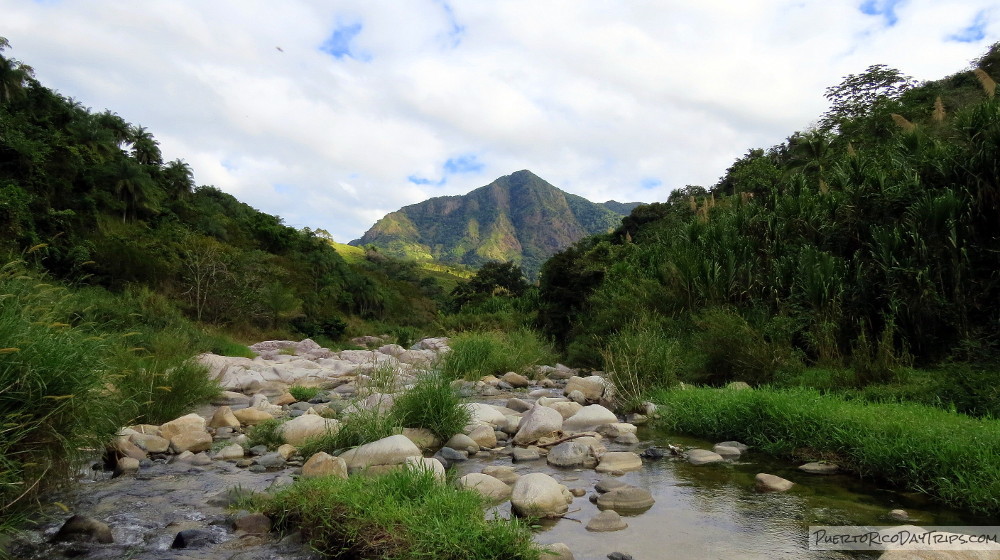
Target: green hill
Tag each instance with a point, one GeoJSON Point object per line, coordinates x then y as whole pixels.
{"type": "Point", "coordinates": [519, 217]}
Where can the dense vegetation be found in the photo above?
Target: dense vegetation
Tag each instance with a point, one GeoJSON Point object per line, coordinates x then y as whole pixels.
{"type": "Point", "coordinates": [518, 218]}
{"type": "Point", "coordinates": [862, 246]}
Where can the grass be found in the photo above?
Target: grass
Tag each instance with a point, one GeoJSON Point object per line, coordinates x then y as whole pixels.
{"type": "Point", "coordinates": [356, 429]}
{"type": "Point", "coordinates": [400, 515]}
{"type": "Point", "coordinates": [950, 456]}
{"type": "Point", "coordinates": [266, 434]}
{"type": "Point", "coordinates": [476, 354]}
{"type": "Point", "coordinates": [640, 358]}
{"type": "Point", "coordinates": [303, 394]}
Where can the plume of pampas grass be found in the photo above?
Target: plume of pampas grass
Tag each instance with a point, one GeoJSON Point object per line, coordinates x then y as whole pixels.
{"type": "Point", "coordinates": [989, 86]}
{"type": "Point", "coordinates": [938, 115]}
{"type": "Point", "coordinates": [901, 122]}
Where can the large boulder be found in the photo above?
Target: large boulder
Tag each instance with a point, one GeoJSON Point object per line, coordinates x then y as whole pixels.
{"type": "Point", "coordinates": [187, 433]}
{"type": "Point", "coordinates": [490, 488]}
{"type": "Point", "coordinates": [703, 457]}
{"type": "Point", "coordinates": [252, 416]}
{"type": "Point", "coordinates": [324, 464]}
{"type": "Point", "coordinates": [224, 418]}
{"type": "Point", "coordinates": [591, 387]}
{"type": "Point", "coordinates": [426, 464]}
{"type": "Point", "coordinates": [589, 418]}
{"type": "Point", "coordinates": [619, 461]}
{"type": "Point", "coordinates": [539, 495]}
{"type": "Point", "coordinates": [515, 379]}
{"type": "Point", "coordinates": [392, 450]}
{"type": "Point", "coordinates": [566, 409]}
{"type": "Point", "coordinates": [537, 423]}
{"type": "Point", "coordinates": [485, 414]}
{"type": "Point", "coordinates": [189, 423]}
{"type": "Point", "coordinates": [626, 499]}
{"type": "Point", "coordinates": [484, 436]}
{"type": "Point", "coordinates": [297, 430]}
{"type": "Point", "coordinates": [571, 454]}
{"type": "Point", "coordinates": [770, 483]}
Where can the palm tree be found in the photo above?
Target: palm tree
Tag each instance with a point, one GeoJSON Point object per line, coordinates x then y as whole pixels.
{"type": "Point", "coordinates": [134, 187]}
{"type": "Point", "coordinates": [811, 154]}
{"type": "Point", "coordinates": [178, 179]}
{"type": "Point", "coordinates": [13, 75]}
{"type": "Point", "coordinates": [145, 148]}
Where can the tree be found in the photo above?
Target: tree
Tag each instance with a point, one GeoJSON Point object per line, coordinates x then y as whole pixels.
{"type": "Point", "coordinates": [857, 95]}
{"type": "Point", "coordinates": [13, 75]}
{"type": "Point", "coordinates": [179, 179]}
{"type": "Point", "coordinates": [495, 278]}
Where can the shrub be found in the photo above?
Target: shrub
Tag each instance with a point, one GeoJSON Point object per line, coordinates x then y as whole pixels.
{"type": "Point", "coordinates": [638, 359]}
{"type": "Point", "coordinates": [161, 390]}
{"type": "Point", "coordinates": [266, 434]}
{"type": "Point", "coordinates": [359, 428]}
{"type": "Point", "coordinates": [734, 350]}
{"type": "Point", "coordinates": [399, 515]}
{"type": "Point", "coordinates": [303, 394]}
{"type": "Point", "coordinates": [433, 404]}
{"type": "Point", "coordinates": [475, 355]}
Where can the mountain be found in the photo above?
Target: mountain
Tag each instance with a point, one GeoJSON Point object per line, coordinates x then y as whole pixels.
{"type": "Point", "coordinates": [519, 217]}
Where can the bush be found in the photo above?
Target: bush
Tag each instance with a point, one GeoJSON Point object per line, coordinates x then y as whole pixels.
{"type": "Point", "coordinates": [359, 428]}
{"type": "Point", "coordinates": [400, 515]}
{"type": "Point", "coordinates": [475, 355]}
{"type": "Point", "coordinates": [735, 351]}
{"type": "Point", "coordinates": [266, 434]}
{"type": "Point", "coordinates": [638, 359]}
{"type": "Point", "coordinates": [161, 390]}
{"type": "Point", "coordinates": [433, 404]}
{"type": "Point", "coordinates": [303, 394]}
{"type": "Point", "coordinates": [950, 456]}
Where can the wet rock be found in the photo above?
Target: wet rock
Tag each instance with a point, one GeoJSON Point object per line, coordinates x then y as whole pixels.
{"type": "Point", "coordinates": [539, 495]}
{"type": "Point", "coordinates": [252, 416]}
{"type": "Point", "coordinates": [606, 521]}
{"type": "Point", "coordinates": [392, 450]}
{"type": "Point", "coordinates": [483, 436]}
{"type": "Point", "coordinates": [653, 453]}
{"type": "Point", "coordinates": [616, 429]}
{"type": "Point", "coordinates": [193, 538]}
{"type": "Point", "coordinates": [899, 515]}
{"type": "Point", "coordinates": [727, 452]}
{"type": "Point", "coordinates": [619, 556]}
{"type": "Point", "coordinates": [522, 454]}
{"type": "Point", "coordinates": [764, 482]}
{"type": "Point", "coordinates": [462, 442]}
{"type": "Point", "coordinates": [703, 457]}
{"type": "Point", "coordinates": [230, 453]}
{"type": "Point", "coordinates": [81, 528]}
{"type": "Point", "coordinates": [592, 387]}
{"type": "Point", "coordinates": [820, 468]}
{"type": "Point", "coordinates": [619, 461]}
{"type": "Point", "coordinates": [556, 551]}
{"type": "Point", "coordinates": [627, 439]}
{"type": "Point", "coordinates": [452, 455]}
{"type": "Point", "coordinates": [741, 446]}
{"type": "Point", "coordinates": [252, 523]}
{"type": "Point", "coordinates": [503, 473]}
{"type": "Point", "coordinates": [637, 419]}
{"type": "Point", "coordinates": [589, 418]}
{"type": "Point", "coordinates": [271, 461]}
{"type": "Point", "coordinates": [518, 405]}
{"type": "Point", "coordinates": [627, 499]}
{"type": "Point", "coordinates": [608, 484]}
{"type": "Point", "coordinates": [570, 454]}
{"type": "Point", "coordinates": [324, 464]}
{"type": "Point", "coordinates": [490, 488]}
{"type": "Point", "coordinates": [538, 422]}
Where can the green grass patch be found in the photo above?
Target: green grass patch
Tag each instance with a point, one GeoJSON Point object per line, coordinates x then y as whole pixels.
{"type": "Point", "coordinates": [266, 434]}
{"type": "Point", "coordinates": [476, 354]}
{"type": "Point", "coordinates": [303, 394]}
{"type": "Point", "coordinates": [641, 358]}
{"type": "Point", "coordinates": [400, 515]}
{"type": "Point", "coordinates": [433, 404]}
{"type": "Point", "coordinates": [950, 456]}
{"type": "Point", "coordinates": [359, 428]}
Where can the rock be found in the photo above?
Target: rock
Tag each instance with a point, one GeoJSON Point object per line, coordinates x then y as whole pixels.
{"type": "Point", "coordinates": [185, 424]}
{"type": "Point", "coordinates": [592, 387]}
{"type": "Point", "coordinates": [522, 454]}
{"type": "Point", "coordinates": [193, 538]}
{"type": "Point", "coordinates": [627, 499]}
{"type": "Point", "coordinates": [297, 430]}
{"type": "Point", "coordinates": [252, 523]}
{"type": "Point", "coordinates": [589, 418]}
{"type": "Point", "coordinates": [637, 419]}
{"type": "Point", "coordinates": [284, 398]}
{"type": "Point", "coordinates": [490, 488]}
{"type": "Point", "coordinates": [539, 495]}
{"type": "Point", "coordinates": [608, 484]}
{"type": "Point", "coordinates": [726, 452]}
{"type": "Point", "coordinates": [570, 454]}
{"type": "Point", "coordinates": [150, 442]}
{"type": "Point", "coordinates": [627, 439]}
{"type": "Point", "coordinates": [391, 349]}
{"type": "Point", "coordinates": [484, 413]}
{"type": "Point", "coordinates": [251, 416]}
{"type": "Point", "coordinates": [191, 441]}
{"type": "Point", "coordinates": [566, 409]}
{"type": "Point", "coordinates": [230, 453]}
{"type": "Point", "coordinates": [126, 448]}
{"type": "Point", "coordinates": [770, 483]}
{"type": "Point", "coordinates": [515, 379]}
{"type": "Point", "coordinates": [85, 529]}
{"type": "Point", "coordinates": [703, 457]}
{"type": "Point", "coordinates": [483, 436]}
{"type": "Point", "coordinates": [899, 515]}
{"type": "Point", "coordinates": [620, 556]}
{"type": "Point", "coordinates": [739, 386]}
{"type": "Point", "coordinates": [653, 453]}
{"type": "Point", "coordinates": [741, 446]}
{"type": "Point", "coordinates": [462, 442]}
{"type": "Point", "coordinates": [556, 551]}
{"type": "Point", "coordinates": [422, 438]}
{"type": "Point", "coordinates": [606, 521]}
{"type": "Point", "coordinates": [271, 461]}
{"type": "Point", "coordinates": [504, 474]}
{"type": "Point", "coordinates": [286, 450]}
{"type": "Point", "coordinates": [538, 422]}
{"type": "Point", "coordinates": [619, 461]}
{"type": "Point", "coordinates": [429, 464]}
{"type": "Point", "coordinates": [820, 468]}
{"type": "Point", "coordinates": [230, 398]}
{"type": "Point", "coordinates": [449, 454]}
{"type": "Point", "coordinates": [518, 405]}
{"type": "Point", "coordinates": [616, 429]}
{"type": "Point", "coordinates": [324, 464]}
{"type": "Point", "coordinates": [392, 450]}
{"type": "Point", "coordinates": [577, 397]}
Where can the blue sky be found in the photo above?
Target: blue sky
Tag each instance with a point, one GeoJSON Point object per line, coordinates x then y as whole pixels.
{"type": "Point", "coordinates": [334, 114]}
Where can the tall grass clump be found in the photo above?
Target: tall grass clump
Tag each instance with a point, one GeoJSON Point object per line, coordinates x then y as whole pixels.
{"type": "Point", "coordinates": [949, 456]}
{"type": "Point", "coordinates": [266, 433]}
{"type": "Point", "coordinates": [53, 395]}
{"type": "Point", "coordinates": [641, 358]}
{"type": "Point", "coordinates": [433, 404]}
{"type": "Point", "coordinates": [734, 350]}
{"type": "Point", "coordinates": [400, 515]}
{"type": "Point", "coordinates": [358, 428]}
{"type": "Point", "coordinates": [477, 354]}
{"type": "Point", "coordinates": [303, 394]}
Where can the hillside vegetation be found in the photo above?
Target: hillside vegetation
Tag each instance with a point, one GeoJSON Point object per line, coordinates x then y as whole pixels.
{"type": "Point", "coordinates": [835, 259]}
{"type": "Point", "coordinates": [518, 218]}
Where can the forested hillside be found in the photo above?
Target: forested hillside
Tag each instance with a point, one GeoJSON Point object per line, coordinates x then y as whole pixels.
{"type": "Point", "coordinates": [865, 244]}
{"type": "Point", "coordinates": [519, 218]}
{"type": "Point", "coordinates": [87, 196]}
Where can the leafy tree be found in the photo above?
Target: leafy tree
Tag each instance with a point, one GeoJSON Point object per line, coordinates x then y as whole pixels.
{"type": "Point", "coordinates": [857, 94]}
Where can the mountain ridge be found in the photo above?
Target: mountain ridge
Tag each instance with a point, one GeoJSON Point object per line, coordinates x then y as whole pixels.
{"type": "Point", "coordinates": [518, 217]}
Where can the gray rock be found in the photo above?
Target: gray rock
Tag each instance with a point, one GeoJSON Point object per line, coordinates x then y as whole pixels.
{"type": "Point", "coordinates": [741, 446]}
{"type": "Point", "coordinates": [606, 521]}
{"type": "Point", "coordinates": [820, 468]}
{"type": "Point", "coordinates": [770, 483]}
{"type": "Point", "coordinates": [539, 422]}
{"type": "Point", "coordinates": [522, 454]}
{"type": "Point", "coordinates": [193, 538]}
{"type": "Point", "coordinates": [490, 488]}
{"type": "Point", "coordinates": [453, 454]}
{"type": "Point", "coordinates": [703, 457]}
{"type": "Point", "coordinates": [626, 499]}
{"type": "Point", "coordinates": [81, 528]}
{"type": "Point", "coordinates": [570, 454]}
{"type": "Point", "coordinates": [518, 405]}
{"type": "Point", "coordinates": [392, 450]}
{"type": "Point", "coordinates": [727, 452]}
{"type": "Point", "coordinates": [252, 523]}
{"type": "Point", "coordinates": [539, 495]}
{"type": "Point", "coordinates": [608, 484]}
{"type": "Point", "coordinates": [270, 461]}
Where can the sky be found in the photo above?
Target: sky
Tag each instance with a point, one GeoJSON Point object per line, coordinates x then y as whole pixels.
{"type": "Point", "coordinates": [332, 114]}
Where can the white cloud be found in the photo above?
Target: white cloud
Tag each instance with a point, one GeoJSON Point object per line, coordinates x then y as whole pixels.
{"type": "Point", "coordinates": [596, 96]}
